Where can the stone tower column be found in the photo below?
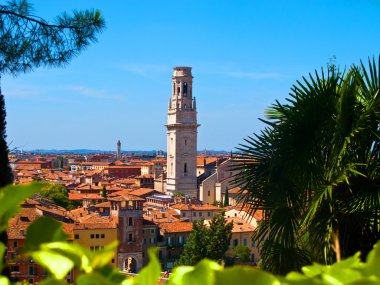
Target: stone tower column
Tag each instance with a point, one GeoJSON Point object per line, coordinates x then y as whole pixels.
{"type": "Point", "coordinates": [118, 152]}
{"type": "Point", "coordinates": [182, 135]}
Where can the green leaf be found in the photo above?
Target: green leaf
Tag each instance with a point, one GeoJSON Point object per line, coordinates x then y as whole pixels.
{"type": "Point", "coordinates": [203, 273]}
{"type": "Point", "coordinates": [57, 264]}
{"type": "Point", "coordinates": [313, 270]}
{"type": "Point", "coordinates": [76, 253]}
{"type": "Point", "coordinates": [104, 256]}
{"type": "Point", "coordinates": [351, 262]}
{"type": "Point", "coordinates": [52, 281]}
{"type": "Point", "coordinates": [93, 278]}
{"type": "Point", "coordinates": [341, 276]}
{"type": "Point", "coordinates": [43, 230]}
{"type": "Point", "coordinates": [2, 252]}
{"type": "Point", "coordinates": [373, 261]}
{"type": "Point", "coordinates": [10, 198]}
{"type": "Point", "coordinates": [150, 274]}
{"type": "Point", "coordinates": [240, 274]}
{"type": "Point", "coordinates": [4, 280]}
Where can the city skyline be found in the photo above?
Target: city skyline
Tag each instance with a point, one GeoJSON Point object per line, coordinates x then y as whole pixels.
{"type": "Point", "coordinates": [244, 56]}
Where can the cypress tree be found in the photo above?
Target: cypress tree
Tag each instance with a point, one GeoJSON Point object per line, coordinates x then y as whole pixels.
{"type": "Point", "coordinates": [104, 192]}
{"type": "Point", "coordinates": [226, 199]}
{"type": "Point", "coordinates": [5, 170]}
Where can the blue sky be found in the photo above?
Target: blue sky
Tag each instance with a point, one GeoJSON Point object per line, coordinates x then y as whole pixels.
{"type": "Point", "coordinates": [244, 54]}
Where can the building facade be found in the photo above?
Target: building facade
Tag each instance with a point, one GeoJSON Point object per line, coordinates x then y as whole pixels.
{"type": "Point", "coordinates": [182, 135]}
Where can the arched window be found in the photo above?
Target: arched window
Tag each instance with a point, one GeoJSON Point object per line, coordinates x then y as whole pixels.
{"type": "Point", "coordinates": [184, 88]}
{"type": "Point", "coordinates": [185, 169]}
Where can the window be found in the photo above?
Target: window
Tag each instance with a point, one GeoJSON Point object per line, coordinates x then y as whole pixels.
{"type": "Point", "coordinates": [143, 231]}
{"type": "Point", "coordinates": [31, 270]}
{"type": "Point", "coordinates": [15, 268]}
{"type": "Point", "coordinates": [253, 243]}
{"type": "Point", "coordinates": [144, 240]}
{"type": "Point", "coordinates": [185, 168]}
{"type": "Point", "coordinates": [15, 244]}
{"type": "Point", "coordinates": [113, 260]}
{"type": "Point", "coordinates": [92, 236]}
{"type": "Point", "coordinates": [236, 242]}
{"type": "Point", "coordinates": [102, 236]}
{"type": "Point", "coordinates": [208, 193]}
{"type": "Point", "coordinates": [130, 221]}
{"type": "Point", "coordinates": [208, 214]}
{"type": "Point", "coordinates": [130, 237]}
{"type": "Point", "coordinates": [184, 214]}
{"type": "Point", "coordinates": [185, 141]}
{"type": "Point", "coordinates": [185, 106]}
{"type": "Point", "coordinates": [97, 236]}
{"type": "Point", "coordinates": [178, 90]}
{"type": "Point", "coordinates": [200, 214]}
{"type": "Point", "coordinates": [76, 236]}
{"type": "Point", "coordinates": [185, 89]}
{"type": "Point", "coordinates": [30, 281]}
{"type": "Point", "coordinates": [245, 242]}
{"type": "Point", "coordinates": [194, 214]}
{"type": "Point", "coordinates": [152, 231]}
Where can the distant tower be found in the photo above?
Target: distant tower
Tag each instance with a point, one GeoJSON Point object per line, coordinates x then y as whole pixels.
{"type": "Point", "coordinates": [182, 135]}
{"type": "Point", "coordinates": [118, 152]}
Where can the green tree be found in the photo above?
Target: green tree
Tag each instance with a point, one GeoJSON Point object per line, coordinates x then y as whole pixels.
{"type": "Point", "coordinates": [207, 241]}
{"type": "Point", "coordinates": [314, 170]}
{"type": "Point", "coordinates": [226, 198]}
{"type": "Point", "coordinates": [28, 41]}
{"type": "Point", "coordinates": [195, 248]}
{"type": "Point", "coordinates": [57, 193]}
{"type": "Point", "coordinates": [104, 191]}
{"type": "Point", "coordinates": [242, 252]}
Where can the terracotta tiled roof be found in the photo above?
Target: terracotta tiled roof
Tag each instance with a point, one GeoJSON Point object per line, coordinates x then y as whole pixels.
{"type": "Point", "coordinates": [201, 158]}
{"type": "Point", "coordinates": [191, 207]}
{"type": "Point", "coordinates": [240, 225]}
{"type": "Point", "coordinates": [124, 167]}
{"type": "Point", "coordinates": [120, 193]}
{"type": "Point", "coordinates": [143, 191]}
{"type": "Point", "coordinates": [103, 205]}
{"type": "Point", "coordinates": [258, 215]}
{"type": "Point", "coordinates": [126, 198]}
{"type": "Point", "coordinates": [176, 227]}
{"type": "Point", "coordinates": [101, 225]}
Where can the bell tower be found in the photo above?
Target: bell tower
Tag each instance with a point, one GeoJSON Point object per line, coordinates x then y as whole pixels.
{"type": "Point", "coordinates": [182, 135]}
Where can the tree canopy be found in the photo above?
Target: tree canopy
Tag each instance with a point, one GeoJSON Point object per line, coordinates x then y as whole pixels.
{"type": "Point", "coordinates": [28, 41]}
{"type": "Point", "coordinates": [315, 170]}
{"type": "Point", "coordinates": [207, 241]}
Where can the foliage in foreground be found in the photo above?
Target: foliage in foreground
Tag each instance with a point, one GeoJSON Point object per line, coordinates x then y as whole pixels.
{"type": "Point", "coordinates": [46, 243]}
{"type": "Point", "coordinates": [315, 170]}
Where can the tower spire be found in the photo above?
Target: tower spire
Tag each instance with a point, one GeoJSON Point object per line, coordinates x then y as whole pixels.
{"type": "Point", "coordinates": [182, 136]}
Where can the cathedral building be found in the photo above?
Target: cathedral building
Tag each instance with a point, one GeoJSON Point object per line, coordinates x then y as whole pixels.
{"type": "Point", "coordinates": [182, 135]}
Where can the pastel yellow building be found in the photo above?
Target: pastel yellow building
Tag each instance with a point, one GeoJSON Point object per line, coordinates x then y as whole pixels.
{"type": "Point", "coordinates": [96, 235]}
{"type": "Point", "coordinates": [242, 233]}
